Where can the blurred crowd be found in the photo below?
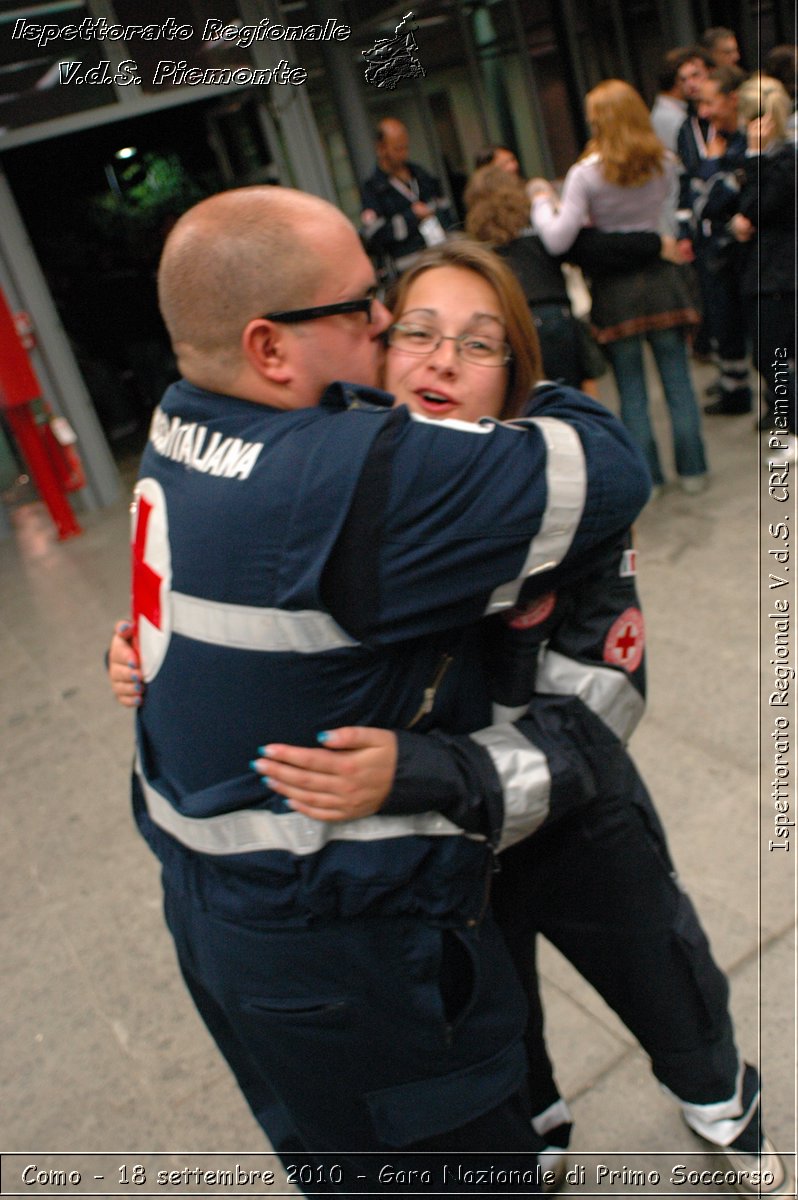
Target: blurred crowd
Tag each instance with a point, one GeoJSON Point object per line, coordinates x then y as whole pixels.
{"type": "Point", "coordinates": [679, 221]}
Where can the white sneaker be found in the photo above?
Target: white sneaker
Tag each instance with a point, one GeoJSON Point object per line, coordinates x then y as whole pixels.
{"type": "Point", "coordinates": [554, 1159]}
{"type": "Point", "coordinates": [693, 484]}
{"type": "Point", "coordinates": [772, 1175]}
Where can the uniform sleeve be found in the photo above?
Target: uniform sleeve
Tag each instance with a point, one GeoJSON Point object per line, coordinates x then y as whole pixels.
{"type": "Point", "coordinates": [598, 652]}
{"type": "Point", "coordinates": [509, 779]}
{"type": "Point", "coordinates": [572, 668]}
{"type": "Point", "coordinates": [684, 211]}
{"type": "Point", "coordinates": [460, 517]}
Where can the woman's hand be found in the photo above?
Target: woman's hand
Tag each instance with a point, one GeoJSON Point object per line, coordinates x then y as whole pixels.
{"type": "Point", "coordinates": [351, 779]}
{"type": "Point", "coordinates": [741, 228]}
{"type": "Point", "coordinates": [679, 252]}
{"type": "Point", "coordinates": [124, 670]}
{"type": "Point", "coordinates": [761, 133]}
{"type": "Point", "coordinates": [537, 188]}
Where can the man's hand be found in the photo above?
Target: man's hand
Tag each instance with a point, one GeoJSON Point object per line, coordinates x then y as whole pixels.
{"type": "Point", "coordinates": [421, 210]}
{"type": "Point", "coordinates": [124, 670]}
{"type": "Point", "coordinates": [351, 779]}
{"type": "Point", "coordinates": [674, 251]}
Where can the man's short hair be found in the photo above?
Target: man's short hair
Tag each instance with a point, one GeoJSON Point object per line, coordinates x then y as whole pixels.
{"type": "Point", "coordinates": [381, 132]}
{"type": "Point", "coordinates": [669, 69]}
{"type": "Point", "coordinates": [231, 258]}
{"type": "Point", "coordinates": [728, 79]}
{"type": "Point", "coordinates": [718, 33]}
{"type": "Point", "coordinates": [690, 52]}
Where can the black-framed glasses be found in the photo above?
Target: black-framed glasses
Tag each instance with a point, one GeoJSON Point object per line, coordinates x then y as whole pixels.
{"type": "Point", "coordinates": [478, 348]}
{"type": "Point", "coordinates": [293, 316]}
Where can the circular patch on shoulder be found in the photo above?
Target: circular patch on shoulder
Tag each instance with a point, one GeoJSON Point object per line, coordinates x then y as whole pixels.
{"type": "Point", "coordinates": [625, 642]}
{"type": "Point", "coordinates": [152, 575]}
{"type": "Point", "coordinates": [526, 616]}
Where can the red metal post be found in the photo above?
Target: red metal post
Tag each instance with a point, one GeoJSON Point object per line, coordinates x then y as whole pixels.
{"type": "Point", "coordinates": [19, 388]}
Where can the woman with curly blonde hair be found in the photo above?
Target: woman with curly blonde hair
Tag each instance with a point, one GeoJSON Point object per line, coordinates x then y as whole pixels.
{"type": "Point", "coordinates": [626, 180]}
{"type": "Point", "coordinates": [498, 215]}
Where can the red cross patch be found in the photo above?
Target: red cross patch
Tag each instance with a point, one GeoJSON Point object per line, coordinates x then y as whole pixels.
{"type": "Point", "coordinates": [625, 642]}
{"type": "Point", "coordinates": [151, 575]}
{"type": "Point", "coordinates": [526, 616]}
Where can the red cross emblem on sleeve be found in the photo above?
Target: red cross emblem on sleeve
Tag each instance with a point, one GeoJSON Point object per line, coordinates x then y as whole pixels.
{"type": "Point", "coordinates": [625, 642]}
{"type": "Point", "coordinates": [151, 571]}
{"type": "Point", "coordinates": [146, 581]}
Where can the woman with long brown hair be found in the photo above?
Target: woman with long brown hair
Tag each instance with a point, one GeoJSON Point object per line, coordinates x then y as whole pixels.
{"type": "Point", "coordinates": [624, 181]}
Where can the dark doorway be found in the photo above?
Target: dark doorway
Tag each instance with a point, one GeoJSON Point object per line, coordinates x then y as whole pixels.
{"type": "Point", "coordinates": [97, 206]}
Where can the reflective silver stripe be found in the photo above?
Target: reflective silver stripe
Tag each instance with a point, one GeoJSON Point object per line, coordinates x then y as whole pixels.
{"type": "Point", "coordinates": [486, 425]}
{"type": "Point", "coordinates": [243, 627]}
{"type": "Point", "coordinates": [610, 694]}
{"type": "Point", "coordinates": [723, 1121]}
{"type": "Point", "coordinates": [502, 715]}
{"type": "Point", "coordinates": [248, 830]}
{"type": "Point", "coordinates": [566, 480]}
{"type": "Point", "coordinates": [556, 1114]}
{"type": "Point", "coordinates": [525, 779]}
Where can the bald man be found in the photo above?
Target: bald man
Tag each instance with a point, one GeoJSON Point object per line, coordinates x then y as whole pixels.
{"type": "Point", "coordinates": [306, 556]}
{"type": "Point", "coordinates": [404, 208]}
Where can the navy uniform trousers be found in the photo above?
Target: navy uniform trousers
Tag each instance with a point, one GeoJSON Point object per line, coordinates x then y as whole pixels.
{"type": "Point", "coordinates": [633, 934]}
{"type": "Point", "coordinates": [304, 1043]}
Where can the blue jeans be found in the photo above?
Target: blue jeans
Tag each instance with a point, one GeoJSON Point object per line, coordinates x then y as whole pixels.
{"type": "Point", "coordinates": [670, 352]}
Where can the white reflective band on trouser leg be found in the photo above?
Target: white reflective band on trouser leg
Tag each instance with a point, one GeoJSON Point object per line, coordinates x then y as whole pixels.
{"type": "Point", "coordinates": [608, 693]}
{"type": "Point", "coordinates": [566, 484]}
{"type": "Point", "coordinates": [249, 830]}
{"type": "Point", "coordinates": [722, 1122]}
{"type": "Point", "coordinates": [525, 779]}
{"type": "Point", "coordinates": [556, 1114]}
{"type": "Point", "coordinates": [243, 627]}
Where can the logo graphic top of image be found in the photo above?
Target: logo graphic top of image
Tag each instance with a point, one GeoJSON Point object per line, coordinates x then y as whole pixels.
{"type": "Point", "coordinates": [392, 59]}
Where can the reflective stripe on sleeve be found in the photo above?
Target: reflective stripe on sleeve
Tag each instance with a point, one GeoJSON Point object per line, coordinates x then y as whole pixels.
{"type": "Point", "coordinates": [523, 771]}
{"type": "Point", "coordinates": [566, 485]}
{"type": "Point", "coordinates": [608, 693]}
{"type": "Point", "coordinates": [243, 627]}
{"type": "Point", "coordinates": [246, 831]}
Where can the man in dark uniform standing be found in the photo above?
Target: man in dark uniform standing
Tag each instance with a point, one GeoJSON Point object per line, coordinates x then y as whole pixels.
{"type": "Point", "coordinates": [404, 209]}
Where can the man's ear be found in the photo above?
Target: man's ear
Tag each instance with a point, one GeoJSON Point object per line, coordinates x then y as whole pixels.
{"type": "Point", "coordinates": [267, 348]}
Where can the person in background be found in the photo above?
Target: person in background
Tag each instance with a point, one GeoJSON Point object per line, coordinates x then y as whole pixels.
{"type": "Point", "coordinates": [498, 156]}
{"type": "Point", "coordinates": [764, 225]}
{"type": "Point", "coordinates": [781, 64]}
{"type": "Point", "coordinates": [710, 188]}
{"type": "Point", "coordinates": [404, 207]}
{"type": "Point", "coordinates": [721, 44]}
{"type": "Point", "coordinates": [670, 106]}
{"type": "Point", "coordinates": [623, 181]}
{"type": "Point", "coordinates": [498, 214]}
{"type": "Point", "coordinates": [693, 67]}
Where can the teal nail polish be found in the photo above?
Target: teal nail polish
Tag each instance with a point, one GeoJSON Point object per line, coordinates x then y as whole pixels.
{"type": "Point", "coordinates": [253, 766]}
{"type": "Point", "coordinates": [322, 737]}
{"type": "Point", "coordinates": [264, 751]}
{"type": "Point", "coordinates": [265, 781]}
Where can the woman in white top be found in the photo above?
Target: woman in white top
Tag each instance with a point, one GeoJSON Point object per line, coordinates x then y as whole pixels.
{"type": "Point", "coordinates": [624, 182]}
